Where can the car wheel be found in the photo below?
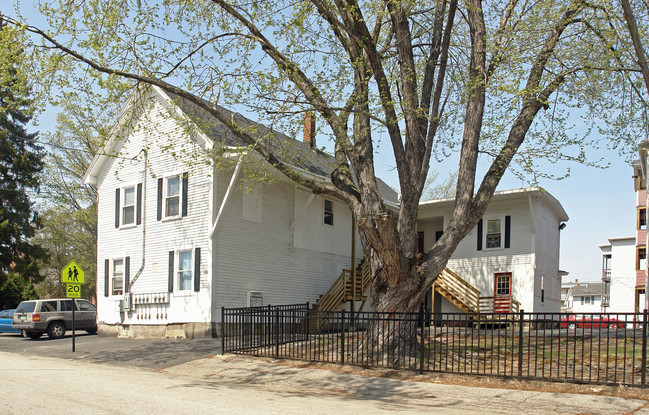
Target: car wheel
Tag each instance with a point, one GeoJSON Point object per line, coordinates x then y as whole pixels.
{"type": "Point", "coordinates": [572, 326]}
{"type": "Point", "coordinates": [34, 334]}
{"type": "Point", "coordinates": [56, 330]}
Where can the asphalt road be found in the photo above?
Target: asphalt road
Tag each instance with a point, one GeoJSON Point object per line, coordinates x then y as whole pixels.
{"type": "Point", "coordinates": [143, 353]}
{"type": "Point", "coordinates": [126, 376]}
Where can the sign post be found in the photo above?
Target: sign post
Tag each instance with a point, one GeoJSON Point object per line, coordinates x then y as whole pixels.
{"type": "Point", "coordinates": [73, 276]}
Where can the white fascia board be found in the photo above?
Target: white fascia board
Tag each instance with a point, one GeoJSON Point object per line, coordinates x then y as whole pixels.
{"type": "Point", "coordinates": [207, 142]}
{"type": "Point", "coordinates": [100, 160]}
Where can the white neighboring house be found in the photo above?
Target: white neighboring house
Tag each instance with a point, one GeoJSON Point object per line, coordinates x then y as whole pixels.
{"type": "Point", "coordinates": [585, 297]}
{"type": "Point", "coordinates": [510, 258]}
{"type": "Point", "coordinates": [619, 274]}
{"type": "Point", "coordinates": [179, 237]}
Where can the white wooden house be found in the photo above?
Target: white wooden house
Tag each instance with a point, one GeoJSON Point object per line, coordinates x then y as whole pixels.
{"type": "Point", "coordinates": [184, 229]}
{"type": "Point", "coordinates": [181, 235]}
{"type": "Point", "coordinates": [509, 261]}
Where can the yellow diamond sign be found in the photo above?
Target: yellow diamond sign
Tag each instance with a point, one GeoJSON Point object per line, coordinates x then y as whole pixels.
{"type": "Point", "coordinates": [73, 274]}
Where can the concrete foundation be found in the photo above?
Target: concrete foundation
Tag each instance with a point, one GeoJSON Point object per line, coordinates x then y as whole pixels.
{"type": "Point", "coordinates": [168, 331]}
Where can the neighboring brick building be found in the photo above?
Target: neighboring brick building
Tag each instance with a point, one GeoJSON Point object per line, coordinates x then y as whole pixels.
{"type": "Point", "coordinates": [640, 186]}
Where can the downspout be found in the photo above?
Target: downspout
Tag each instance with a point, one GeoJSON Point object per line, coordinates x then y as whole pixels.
{"type": "Point", "coordinates": [143, 208]}
{"type": "Point", "coordinates": [227, 195]}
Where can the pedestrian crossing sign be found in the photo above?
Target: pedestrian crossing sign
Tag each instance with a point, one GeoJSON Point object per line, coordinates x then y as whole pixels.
{"type": "Point", "coordinates": [73, 274]}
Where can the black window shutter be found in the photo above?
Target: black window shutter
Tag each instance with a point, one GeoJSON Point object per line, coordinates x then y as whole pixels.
{"type": "Point", "coordinates": [127, 274]}
{"type": "Point", "coordinates": [480, 235]}
{"type": "Point", "coordinates": [197, 269]}
{"type": "Point", "coordinates": [138, 219]}
{"type": "Point", "coordinates": [160, 198]}
{"type": "Point", "coordinates": [508, 231]}
{"type": "Point", "coordinates": [117, 192]}
{"type": "Point", "coordinates": [106, 276]}
{"type": "Point", "coordinates": [171, 271]}
{"type": "Point", "coordinates": [185, 192]}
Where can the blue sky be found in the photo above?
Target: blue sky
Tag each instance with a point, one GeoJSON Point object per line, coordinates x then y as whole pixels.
{"type": "Point", "coordinates": [599, 202]}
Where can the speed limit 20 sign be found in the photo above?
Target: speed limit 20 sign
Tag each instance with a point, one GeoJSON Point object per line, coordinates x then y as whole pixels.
{"type": "Point", "coordinates": [73, 290]}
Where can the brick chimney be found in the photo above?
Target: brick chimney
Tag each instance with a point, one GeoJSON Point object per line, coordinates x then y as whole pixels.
{"type": "Point", "coordinates": [309, 128]}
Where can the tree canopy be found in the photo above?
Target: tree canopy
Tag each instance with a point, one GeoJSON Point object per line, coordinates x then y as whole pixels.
{"type": "Point", "coordinates": [500, 82]}
{"type": "Point", "coordinates": [20, 165]}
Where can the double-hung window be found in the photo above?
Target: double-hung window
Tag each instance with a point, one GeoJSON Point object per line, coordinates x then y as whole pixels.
{"type": "Point", "coordinates": [185, 270]}
{"type": "Point", "coordinates": [128, 200]}
{"type": "Point", "coordinates": [494, 233]}
{"type": "Point", "coordinates": [328, 218]}
{"type": "Point", "coordinates": [118, 277]}
{"type": "Point", "coordinates": [128, 206]}
{"type": "Point", "coordinates": [172, 196]}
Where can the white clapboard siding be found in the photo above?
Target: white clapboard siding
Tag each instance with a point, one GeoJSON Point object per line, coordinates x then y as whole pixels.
{"type": "Point", "coordinates": [533, 255]}
{"type": "Point", "coordinates": [169, 150]}
{"type": "Point", "coordinates": [262, 256]}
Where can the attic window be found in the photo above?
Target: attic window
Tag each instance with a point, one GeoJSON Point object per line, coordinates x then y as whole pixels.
{"type": "Point", "coordinates": [328, 218]}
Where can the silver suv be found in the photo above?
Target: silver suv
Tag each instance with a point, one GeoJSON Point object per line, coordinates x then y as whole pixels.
{"type": "Point", "coordinates": [54, 316]}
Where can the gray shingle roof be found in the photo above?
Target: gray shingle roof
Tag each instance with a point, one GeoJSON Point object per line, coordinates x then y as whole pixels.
{"type": "Point", "coordinates": [287, 149]}
{"type": "Point", "coordinates": [591, 288]}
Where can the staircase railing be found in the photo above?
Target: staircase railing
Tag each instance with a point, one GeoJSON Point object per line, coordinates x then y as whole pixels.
{"type": "Point", "coordinates": [499, 304]}
{"type": "Point", "coordinates": [460, 290]}
{"type": "Point", "coordinates": [342, 290]}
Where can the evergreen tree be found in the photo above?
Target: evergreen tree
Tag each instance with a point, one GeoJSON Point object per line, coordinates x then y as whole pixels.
{"type": "Point", "coordinates": [20, 165]}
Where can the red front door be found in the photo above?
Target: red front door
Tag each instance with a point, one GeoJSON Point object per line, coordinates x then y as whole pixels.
{"type": "Point", "coordinates": [503, 292]}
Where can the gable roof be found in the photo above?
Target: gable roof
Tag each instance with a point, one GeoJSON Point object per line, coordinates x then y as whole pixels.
{"type": "Point", "coordinates": [503, 195]}
{"type": "Point", "coordinates": [590, 288]}
{"type": "Point", "coordinates": [293, 152]}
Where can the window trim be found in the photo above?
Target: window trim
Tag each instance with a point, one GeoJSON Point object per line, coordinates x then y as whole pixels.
{"type": "Point", "coordinates": [123, 206]}
{"type": "Point", "coordinates": [327, 214]}
{"type": "Point", "coordinates": [163, 188]}
{"type": "Point", "coordinates": [637, 256]}
{"type": "Point", "coordinates": [112, 290]}
{"type": "Point", "coordinates": [165, 196]}
{"type": "Point", "coordinates": [641, 214]}
{"type": "Point", "coordinates": [175, 271]}
{"type": "Point", "coordinates": [178, 271]}
{"type": "Point", "coordinates": [501, 233]}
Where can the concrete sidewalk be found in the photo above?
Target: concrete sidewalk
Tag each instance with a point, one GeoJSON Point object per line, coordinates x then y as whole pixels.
{"type": "Point", "coordinates": [401, 394]}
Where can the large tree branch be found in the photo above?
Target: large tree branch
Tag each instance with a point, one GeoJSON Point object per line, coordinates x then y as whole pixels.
{"type": "Point", "coordinates": [316, 186]}
{"type": "Point", "coordinates": [474, 110]}
{"type": "Point", "coordinates": [435, 111]}
{"type": "Point", "coordinates": [500, 33]}
{"type": "Point", "coordinates": [366, 40]}
{"type": "Point", "coordinates": [294, 73]}
{"type": "Point", "coordinates": [533, 101]}
{"type": "Point", "coordinates": [637, 43]}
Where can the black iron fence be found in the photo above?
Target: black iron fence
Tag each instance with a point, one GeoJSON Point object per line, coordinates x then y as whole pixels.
{"type": "Point", "coordinates": [598, 348]}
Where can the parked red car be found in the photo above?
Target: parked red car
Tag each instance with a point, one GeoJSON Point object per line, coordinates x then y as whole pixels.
{"type": "Point", "coordinates": [588, 321]}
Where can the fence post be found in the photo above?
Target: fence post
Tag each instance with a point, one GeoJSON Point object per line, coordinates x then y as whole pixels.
{"type": "Point", "coordinates": [521, 319]}
{"type": "Point", "coordinates": [277, 333]}
{"type": "Point", "coordinates": [342, 337]}
{"type": "Point", "coordinates": [643, 365]}
{"type": "Point", "coordinates": [307, 318]}
{"type": "Point", "coordinates": [222, 330]}
{"type": "Point", "coordinates": [421, 345]}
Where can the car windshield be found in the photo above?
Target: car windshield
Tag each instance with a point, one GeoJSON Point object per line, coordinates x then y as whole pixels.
{"type": "Point", "coordinates": [26, 307]}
